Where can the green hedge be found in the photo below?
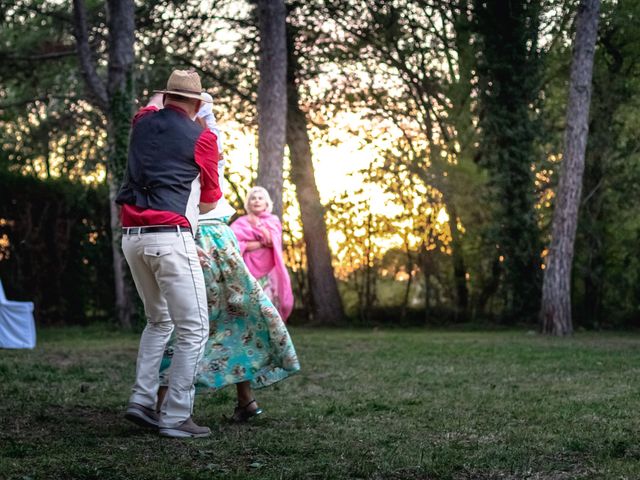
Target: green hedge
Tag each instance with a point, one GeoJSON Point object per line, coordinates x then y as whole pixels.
{"type": "Point", "coordinates": [59, 253]}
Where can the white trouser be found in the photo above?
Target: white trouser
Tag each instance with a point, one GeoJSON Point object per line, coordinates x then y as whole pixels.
{"type": "Point", "coordinates": [167, 273]}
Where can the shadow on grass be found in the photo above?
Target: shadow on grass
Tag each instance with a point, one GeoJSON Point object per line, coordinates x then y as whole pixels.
{"type": "Point", "coordinates": [64, 423]}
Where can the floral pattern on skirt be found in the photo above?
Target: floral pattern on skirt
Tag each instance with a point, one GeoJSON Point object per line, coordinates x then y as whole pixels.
{"type": "Point", "coordinates": [248, 340]}
{"type": "Point", "coordinates": [270, 292]}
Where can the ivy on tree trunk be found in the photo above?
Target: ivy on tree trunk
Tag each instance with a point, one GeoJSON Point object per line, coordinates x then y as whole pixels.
{"type": "Point", "coordinates": [114, 97]}
{"type": "Point", "coordinates": [509, 82]}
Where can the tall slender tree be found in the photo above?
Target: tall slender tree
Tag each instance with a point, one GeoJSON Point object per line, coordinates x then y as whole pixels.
{"type": "Point", "coordinates": [272, 98]}
{"type": "Point", "coordinates": [555, 312]}
{"type": "Point", "coordinates": [326, 302]}
{"type": "Point", "coordinates": [114, 97]}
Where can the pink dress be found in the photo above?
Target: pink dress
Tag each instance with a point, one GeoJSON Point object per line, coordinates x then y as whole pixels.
{"type": "Point", "coordinates": [266, 264]}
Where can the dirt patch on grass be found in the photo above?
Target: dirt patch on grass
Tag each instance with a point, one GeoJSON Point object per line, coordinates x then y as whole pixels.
{"type": "Point", "coordinates": [56, 422]}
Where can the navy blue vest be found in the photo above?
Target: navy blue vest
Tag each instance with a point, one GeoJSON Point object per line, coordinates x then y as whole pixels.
{"type": "Point", "coordinates": [161, 165]}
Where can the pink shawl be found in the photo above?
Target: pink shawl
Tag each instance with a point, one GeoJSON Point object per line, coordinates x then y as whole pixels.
{"type": "Point", "coordinates": [266, 261]}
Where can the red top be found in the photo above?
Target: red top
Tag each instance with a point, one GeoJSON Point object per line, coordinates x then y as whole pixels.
{"type": "Point", "coordinates": [206, 156]}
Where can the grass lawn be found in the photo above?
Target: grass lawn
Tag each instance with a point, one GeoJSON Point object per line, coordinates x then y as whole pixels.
{"type": "Point", "coordinates": [389, 404]}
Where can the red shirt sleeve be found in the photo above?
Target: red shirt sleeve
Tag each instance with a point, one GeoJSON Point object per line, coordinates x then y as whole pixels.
{"type": "Point", "coordinates": [142, 112]}
{"type": "Point", "coordinates": [206, 156]}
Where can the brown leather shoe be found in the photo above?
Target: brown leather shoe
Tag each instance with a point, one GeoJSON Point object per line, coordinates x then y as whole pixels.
{"type": "Point", "coordinates": [142, 416]}
{"type": "Point", "coordinates": [187, 429]}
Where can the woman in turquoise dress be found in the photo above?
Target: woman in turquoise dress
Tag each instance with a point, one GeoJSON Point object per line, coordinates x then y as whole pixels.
{"type": "Point", "coordinates": [248, 344]}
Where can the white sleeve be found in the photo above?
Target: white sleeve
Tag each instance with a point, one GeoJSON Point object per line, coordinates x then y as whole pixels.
{"type": "Point", "coordinates": [210, 119]}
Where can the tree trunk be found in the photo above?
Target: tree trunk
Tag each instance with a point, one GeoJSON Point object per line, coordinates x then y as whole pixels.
{"type": "Point", "coordinates": [509, 79]}
{"type": "Point", "coordinates": [405, 298]}
{"type": "Point", "coordinates": [124, 293]}
{"type": "Point", "coordinates": [459, 268]}
{"type": "Point", "coordinates": [425, 265]}
{"type": "Point", "coordinates": [370, 290]}
{"type": "Point", "coordinates": [115, 98]}
{"type": "Point", "coordinates": [121, 23]}
{"type": "Point", "coordinates": [407, 290]}
{"type": "Point", "coordinates": [555, 314]}
{"type": "Point", "coordinates": [489, 288]}
{"type": "Point", "coordinates": [272, 98]}
{"type": "Point", "coordinates": [326, 302]}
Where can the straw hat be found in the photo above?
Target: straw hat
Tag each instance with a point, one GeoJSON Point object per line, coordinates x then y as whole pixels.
{"type": "Point", "coordinates": [185, 83]}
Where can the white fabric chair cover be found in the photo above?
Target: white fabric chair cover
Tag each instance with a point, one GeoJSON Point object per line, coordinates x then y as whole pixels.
{"type": "Point", "coordinates": [17, 327]}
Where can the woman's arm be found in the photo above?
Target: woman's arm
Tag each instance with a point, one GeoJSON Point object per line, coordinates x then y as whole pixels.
{"type": "Point", "coordinates": [245, 235]}
{"type": "Point", "coordinates": [252, 245]}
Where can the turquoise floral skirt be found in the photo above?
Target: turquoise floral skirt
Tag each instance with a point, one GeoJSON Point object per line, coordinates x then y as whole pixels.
{"type": "Point", "coordinates": [248, 341]}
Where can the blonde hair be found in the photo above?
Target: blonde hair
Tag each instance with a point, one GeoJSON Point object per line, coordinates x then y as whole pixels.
{"type": "Point", "coordinates": [264, 192]}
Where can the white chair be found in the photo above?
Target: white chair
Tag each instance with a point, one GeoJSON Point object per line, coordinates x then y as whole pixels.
{"type": "Point", "coordinates": [17, 327]}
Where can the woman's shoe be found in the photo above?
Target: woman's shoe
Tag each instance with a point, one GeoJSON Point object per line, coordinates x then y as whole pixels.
{"type": "Point", "coordinates": [242, 414]}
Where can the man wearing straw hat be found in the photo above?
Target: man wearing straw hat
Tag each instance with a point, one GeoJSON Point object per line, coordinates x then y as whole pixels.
{"type": "Point", "coordinates": [171, 177]}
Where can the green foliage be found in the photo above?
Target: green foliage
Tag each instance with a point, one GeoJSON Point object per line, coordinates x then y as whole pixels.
{"type": "Point", "coordinates": [46, 127]}
{"type": "Point", "coordinates": [509, 86]}
{"type": "Point", "coordinates": [56, 248]}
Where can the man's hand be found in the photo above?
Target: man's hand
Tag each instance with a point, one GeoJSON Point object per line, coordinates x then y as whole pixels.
{"type": "Point", "coordinates": [207, 207]}
{"type": "Point", "coordinates": [156, 101]}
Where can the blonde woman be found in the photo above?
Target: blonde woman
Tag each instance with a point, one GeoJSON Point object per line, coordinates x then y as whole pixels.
{"type": "Point", "coordinates": [259, 234]}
